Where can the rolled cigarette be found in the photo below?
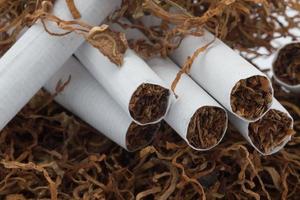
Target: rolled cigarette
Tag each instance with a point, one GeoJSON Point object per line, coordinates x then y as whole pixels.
{"type": "Point", "coordinates": [195, 116]}
{"type": "Point", "coordinates": [230, 79]}
{"type": "Point", "coordinates": [286, 67]}
{"type": "Point", "coordinates": [270, 133]}
{"type": "Point", "coordinates": [134, 85]}
{"type": "Point", "coordinates": [36, 56]}
{"type": "Point", "coordinates": [87, 99]}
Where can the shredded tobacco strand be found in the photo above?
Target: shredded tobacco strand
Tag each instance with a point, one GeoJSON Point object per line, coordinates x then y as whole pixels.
{"type": "Point", "coordinates": [72, 7]}
{"type": "Point", "coordinates": [138, 137]}
{"type": "Point", "coordinates": [271, 130]}
{"type": "Point", "coordinates": [287, 64]}
{"type": "Point", "coordinates": [250, 98]}
{"type": "Point", "coordinates": [149, 103]}
{"type": "Point", "coordinates": [206, 127]}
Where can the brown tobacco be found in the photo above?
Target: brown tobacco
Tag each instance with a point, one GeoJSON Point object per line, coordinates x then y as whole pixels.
{"type": "Point", "coordinates": [138, 137]}
{"type": "Point", "coordinates": [271, 130]}
{"type": "Point", "coordinates": [48, 153]}
{"type": "Point", "coordinates": [149, 103]}
{"type": "Point", "coordinates": [251, 97]}
{"type": "Point", "coordinates": [206, 127]}
{"type": "Point", "coordinates": [287, 64]}
{"type": "Point", "coordinates": [111, 44]}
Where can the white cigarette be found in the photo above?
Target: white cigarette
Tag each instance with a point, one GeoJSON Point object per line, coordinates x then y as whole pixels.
{"type": "Point", "coordinates": [36, 56]}
{"type": "Point", "coordinates": [195, 116]}
{"type": "Point", "coordinates": [87, 99]}
{"type": "Point", "coordinates": [270, 133]}
{"type": "Point", "coordinates": [288, 55]}
{"type": "Point", "coordinates": [219, 70]}
{"type": "Point", "coordinates": [124, 84]}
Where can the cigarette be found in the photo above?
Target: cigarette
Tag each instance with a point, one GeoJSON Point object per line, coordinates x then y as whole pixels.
{"type": "Point", "coordinates": [87, 99]}
{"type": "Point", "coordinates": [195, 116]}
{"type": "Point", "coordinates": [270, 133]}
{"type": "Point", "coordinates": [230, 79]}
{"type": "Point", "coordinates": [133, 85]}
{"type": "Point", "coordinates": [286, 67]}
{"type": "Point", "coordinates": [36, 56]}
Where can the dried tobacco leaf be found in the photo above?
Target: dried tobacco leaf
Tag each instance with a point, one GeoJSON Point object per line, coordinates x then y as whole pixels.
{"type": "Point", "coordinates": [271, 130]}
{"type": "Point", "coordinates": [138, 137]}
{"type": "Point", "coordinates": [251, 97]}
{"type": "Point", "coordinates": [206, 127]}
{"type": "Point", "coordinates": [149, 103]}
{"type": "Point", "coordinates": [287, 64]}
{"type": "Point", "coordinates": [111, 44]}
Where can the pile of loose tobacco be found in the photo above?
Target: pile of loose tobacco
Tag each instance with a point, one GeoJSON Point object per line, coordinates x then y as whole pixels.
{"type": "Point", "coordinates": [47, 152]}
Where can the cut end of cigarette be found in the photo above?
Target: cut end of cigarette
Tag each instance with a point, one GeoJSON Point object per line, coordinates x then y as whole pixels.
{"type": "Point", "coordinates": [251, 97]}
{"type": "Point", "coordinates": [149, 103]}
{"type": "Point", "coordinates": [138, 137]}
{"type": "Point", "coordinates": [271, 131]}
{"type": "Point", "coordinates": [286, 66]}
{"type": "Point", "coordinates": [207, 127]}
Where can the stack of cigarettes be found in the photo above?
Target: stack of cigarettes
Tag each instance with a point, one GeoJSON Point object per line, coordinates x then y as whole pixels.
{"type": "Point", "coordinates": [86, 98]}
{"type": "Point", "coordinates": [195, 115]}
{"type": "Point", "coordinates": [244, 91]}
{"type": "Point", "coordinates": [128, 102]}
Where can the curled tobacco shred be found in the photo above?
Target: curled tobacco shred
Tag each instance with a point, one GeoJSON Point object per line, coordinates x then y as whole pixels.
{"type": "Point", "coordinates": [111, 44]}
{"type": "Point", "coordinates": [72, 7]}
{"type": "Point", "coordinates": [149, 103]}
{"type": "Point", "coordinates": [206, 127]}
{"type": "Point", "coordinates": [251, 97]}
{"type": "Point", "coordinates": [271, 130]}
{"type": "Point", "coordinates": [287, 64]}
{"type": "Point", "coordinates": [138, 136]}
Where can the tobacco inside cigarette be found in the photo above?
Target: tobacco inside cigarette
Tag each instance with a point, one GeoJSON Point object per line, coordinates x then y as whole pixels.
{"type": "Point", "coordinates": [251, 97]}
{"type": "Point", "coordinates": [138, 136]}
{"type": "Point", "coordinates": [206, 127]}
{"type": "Point", "coordinates": [271, 130]}
{"type": "Point", "coordinates": [287, 64]}
{"type": "Point", "coordinates": [149, 103]}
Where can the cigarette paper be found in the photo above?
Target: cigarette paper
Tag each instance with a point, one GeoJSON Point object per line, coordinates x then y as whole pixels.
{"type": "Point", "coordinates": [128, 84]}
{"type": "Point", "coordinates": [36, 56]}
{"type": "Point", "coordinates": [224, 74]}
{"type": "Point", "coordinates": [286, 67]}
{"type": "Point", "coordinates": [269, 134]}
{"type": "Point", "coordinates": [195, 116]}
{"type": "Point", "coordinates": [87, 99]}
